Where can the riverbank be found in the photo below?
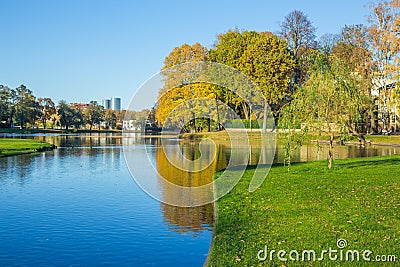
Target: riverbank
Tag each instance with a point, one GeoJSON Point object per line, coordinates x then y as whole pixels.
{"type": "Point", "coordinates": [13, 147]}
{"type": "Point", "coordinates": [222, 137]}
{"type": "Point", "coordinates": [311, 208]}
{"type": "Point", "coordinates": [52, 131]}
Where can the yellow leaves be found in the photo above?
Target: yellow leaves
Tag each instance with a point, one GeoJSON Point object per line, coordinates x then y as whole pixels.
{"type": "Point", "coordinates": [171, 99]}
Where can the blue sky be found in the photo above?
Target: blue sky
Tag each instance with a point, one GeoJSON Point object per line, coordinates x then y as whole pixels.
{"type": "Point", "coordinates": [90, 50]}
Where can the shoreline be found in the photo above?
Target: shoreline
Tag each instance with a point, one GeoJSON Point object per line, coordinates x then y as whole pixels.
{"type": "Point", "coordinates": [13, 147]}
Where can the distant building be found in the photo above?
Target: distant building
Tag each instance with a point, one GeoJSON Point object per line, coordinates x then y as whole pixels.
{"type": "Point", "coordinates": [388, 113]}
{"type": "Point", "coordinates": [130, 125]}
{"type": "Point", "coordinates": [114, 103]}
{"type": "Point", "coordinates": [106, 103]}
{"type": "Point", "coordinates": [81, 106]}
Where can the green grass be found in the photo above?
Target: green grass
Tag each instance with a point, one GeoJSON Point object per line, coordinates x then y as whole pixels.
{"type": "Point", "coordinates": [391, 139]}
{"type": "Point", "coordinates": [311, 207]}
{"type": "Point", "coordinates": [41, 130]}
{"type": "Point", "coordinates": [12, 147]}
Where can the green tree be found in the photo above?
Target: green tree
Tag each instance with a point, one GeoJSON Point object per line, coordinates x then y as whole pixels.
{"type": "Point", "coordinates": [5, 106]}
{"type": "Point", "coordinates": [269, 64]}
{"type": "Point", "coordinates": [26, 106]}
{"type": "Point", "coordinates": [228, 50]}
{"type": "Point", "coordinates": [93, 114]}
{"type": "Point", "coordinates": [265, 59]}
{"type": "Point", "coordinates": [66, 114]}
{"type": "Point", "coordinates": [77, 119]}
{"type": "Point", "coordinates": [331, 102]}
{"type": "Point", "coordinates": [47, 108]}
{"type": "Point", "coordinates": [110, 119]}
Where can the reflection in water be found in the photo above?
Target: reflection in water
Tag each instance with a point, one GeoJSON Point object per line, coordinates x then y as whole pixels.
{"type": "Point", "coordinates": [312, 152]}
{"type": "Point", "coordinates": [106, 147]}
{"type": "Point", "coordinates": [77, 205]}
{"type": "Point", "coordinates": [183, 219]}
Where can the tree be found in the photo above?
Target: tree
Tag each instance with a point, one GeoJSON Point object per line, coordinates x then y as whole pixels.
{"type": "Point", "coordinates": [264, 58]}
{"type": "Point", "coordinates": [228, 50]}
{"type": "Point", "coordinates": [269, 64]}
{"type": "Point", "coordinates": [331, 102]}
{"type": "Point", "coordinates": [299, 34]}
{"type": "Point", "coordinates": [110, 119]}
{"type": "Point", "coordinates": [26, 106]}
{"type": "Point", "coordinates": [77, 119]}
{"type": "Point", "coordinates": [353, 48]}
{"type": "Point", "coordinates": [327, 42]}
{"type": "Point", "coordinates": [5, 106]}
{"type": "Point", "coordinates": [66, 114]}
{"type": "Point", "coordinates": [47, 109]}
{"type": "Point", "coordinates": [93, 114]}
{"type": "Point", "coordinates": [177, 88]}
{"type": "Point", "coordinates": [385, 39]}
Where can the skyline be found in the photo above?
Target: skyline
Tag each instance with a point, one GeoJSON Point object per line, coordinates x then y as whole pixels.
{"type": "Point", "coordinates": [87, 51]}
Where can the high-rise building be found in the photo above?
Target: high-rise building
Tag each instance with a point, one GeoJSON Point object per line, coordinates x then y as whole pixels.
{"type": "Point", "coordinates": [106, 103]}
{"type": "Point", "coordinates": [116, 103]}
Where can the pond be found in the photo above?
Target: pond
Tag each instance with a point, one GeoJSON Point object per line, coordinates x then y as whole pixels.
{"type": "Point", "coordinates": [78, 205]}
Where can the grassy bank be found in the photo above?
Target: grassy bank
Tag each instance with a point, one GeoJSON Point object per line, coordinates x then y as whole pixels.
{"type": "Point", "coordinates": [222, 137]}
{"type": "Point", "coordinates": [12, 147]}
{"type": "Point", "coordinates": [50, 131]}
{"type": "Point", "coordinates": [310, 208]}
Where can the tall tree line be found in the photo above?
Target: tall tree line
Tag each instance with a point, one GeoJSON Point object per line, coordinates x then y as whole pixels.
{"type": "Point", "coordinates": [292, 59]}
{"type": "Point", "coordinates": [20, 108]}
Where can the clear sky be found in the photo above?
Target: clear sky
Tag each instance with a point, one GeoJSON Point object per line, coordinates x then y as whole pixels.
{"type": "Point", "coordinates": [82, 50]}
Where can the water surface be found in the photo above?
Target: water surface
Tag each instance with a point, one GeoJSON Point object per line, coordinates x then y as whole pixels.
{"type": "Point", "coordinates": [78, 205]}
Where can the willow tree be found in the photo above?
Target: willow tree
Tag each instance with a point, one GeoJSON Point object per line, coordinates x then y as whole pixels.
{"type": "Point", "coordinates": [330, 103]}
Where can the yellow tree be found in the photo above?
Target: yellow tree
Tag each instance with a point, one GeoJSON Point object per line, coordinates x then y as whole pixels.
{"type": "Point", "coordinates": [353, 49]}
{"type": "Point", "coordinates": [178, 89]}
{"type": "Point", "coordinates": [384, 30]}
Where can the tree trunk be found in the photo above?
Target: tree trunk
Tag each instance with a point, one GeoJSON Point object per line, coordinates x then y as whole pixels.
{"type": "Point", "coordinates": [264, 129]}
{"type": "Point", "coordinates": [216, 104]}
{"type": "Point", "coordinates": [245, 111]}
{"type": "Point", "coordinates": [330, 159]}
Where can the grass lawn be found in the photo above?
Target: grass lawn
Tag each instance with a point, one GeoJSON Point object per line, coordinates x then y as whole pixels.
{"type": "Point", "coordinates": [12, 147]}
{"type": "Point", "coordinates": [310, 208]}
{"type": "Point", "coordinates": [391, 139]}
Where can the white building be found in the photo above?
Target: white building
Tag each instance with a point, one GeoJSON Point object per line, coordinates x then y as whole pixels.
{"type": "Point", "coordinates": [130, 125]}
